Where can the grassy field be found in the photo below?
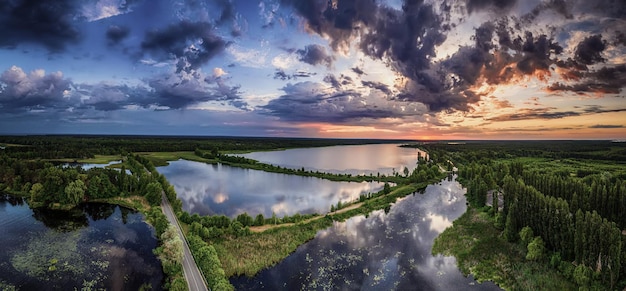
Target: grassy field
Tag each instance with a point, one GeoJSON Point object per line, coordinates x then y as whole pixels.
{"type": "Point", "coordinates": [482, 251]}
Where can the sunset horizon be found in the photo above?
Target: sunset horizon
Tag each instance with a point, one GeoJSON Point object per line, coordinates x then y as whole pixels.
{"type": "Point", "coordinates": [418, 70]}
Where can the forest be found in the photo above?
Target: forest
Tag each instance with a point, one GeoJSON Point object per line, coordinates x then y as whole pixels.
{"type": "Point", "coordinates": [541, 213]}
{"type": "Point", "coordinates": [561, 201]}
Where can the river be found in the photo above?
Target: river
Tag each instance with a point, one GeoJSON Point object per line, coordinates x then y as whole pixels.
{"type": "Point", "coordinates": [381, 251]}
{"type": "Point", "coordinates": [221, 189]}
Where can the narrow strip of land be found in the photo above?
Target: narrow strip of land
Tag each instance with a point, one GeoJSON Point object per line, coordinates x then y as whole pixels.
{"type": "Point", "coordinates": [270, 226]}
{"type": "Point", "coordinates": [193, 276]}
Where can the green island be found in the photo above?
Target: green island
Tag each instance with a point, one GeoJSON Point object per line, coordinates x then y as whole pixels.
{"type": "Point", "coordinates": [541, 214]}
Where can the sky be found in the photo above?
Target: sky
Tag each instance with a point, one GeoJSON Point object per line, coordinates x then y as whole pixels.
{"type": "Point", "coordinates": [467, 69]}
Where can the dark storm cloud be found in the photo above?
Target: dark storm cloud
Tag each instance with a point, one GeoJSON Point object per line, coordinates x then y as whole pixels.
{"type": "Point", "coordinates": [36, 90]}
{"type": "Point", "coordinates": [405, 39]}
{"type": "Point", "coordinates": [177, 40]}
{"type": "Point", "coordinates": [315, 54]}
{"type": "Point", "coordinates": [499, 5]}
{"type": "Point", "coordinates": [48, 23]}
{"type": "Point", "coordinates": [506, 48]}
{"type": "Point", "coordinates": [610, 80]}
{"type": "Point", "coordinates": [315, 102]}
{"type": "Point", "coordinates": [589, 51]}
{"type": "Point", "coordinates": [184, 89]}
{"type": "Point", "coordinates": [115, 34]}
{"type": "Point", "coordinates": [607, 126]}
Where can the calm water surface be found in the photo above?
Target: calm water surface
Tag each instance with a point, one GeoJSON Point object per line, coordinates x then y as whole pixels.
{"type": "Point", "coordinates": [357, 159]}
{"type": "Point", "coordinates": [97, 246]}
{"type": "Point", "coordinates": [379, 252]}
{"type": "Point", "coordinates": [221, 189]}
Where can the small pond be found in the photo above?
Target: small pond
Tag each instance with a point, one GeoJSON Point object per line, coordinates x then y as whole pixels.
{"type": "Point", "coordinates": [94, 246]}
{"type": "Point", "coordinates": [222, 189]}
{"type": "Point", "coordinates": [355, 159]}
{"type": "Point", "coordinates": [383, 251]}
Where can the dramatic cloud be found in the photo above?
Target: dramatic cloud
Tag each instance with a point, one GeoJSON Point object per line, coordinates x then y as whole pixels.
{"type": "Point", "coordinates": [607, 80]}
{"type": "Point", "coordinates": [192, 43]}
{"type": "Point", "coordinates": [309, 101]}
{"type": "Point", "coordinates": [49, 23]}
{"type": "Point", "coordinates": [589, 50]}
{"type": "Point", "coordinates": [184, 89]}
{"type": "Point", "coordinates": [36, 90]}
{"type": "Point", "coordinates": [116, 34]}
{"type": "Point", "coordinates": [315, 54]}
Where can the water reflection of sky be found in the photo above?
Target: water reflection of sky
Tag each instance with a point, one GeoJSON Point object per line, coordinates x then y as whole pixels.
{"type": "Point", "coordinates": [105, 246]}
{"type": "Point", "coordinates": [220, 189]}
{"type": "Point", "coordinates": [380, 252]}
{"type": "Point", "coordinates": [358, 159]}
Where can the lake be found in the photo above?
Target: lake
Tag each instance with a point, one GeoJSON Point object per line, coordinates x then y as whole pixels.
{"type": "Point", "coordinates": [381, 251]}
{"type": "Point", "coordinates": [353, 159]}
{"type": "Point", "coordinates": [97, 246]}
{"type": "Point", "coordinates": [221, 189]}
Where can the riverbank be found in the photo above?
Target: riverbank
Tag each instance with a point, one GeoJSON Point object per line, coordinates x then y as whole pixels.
{"type": "Point", "coordinates": [481, 251]}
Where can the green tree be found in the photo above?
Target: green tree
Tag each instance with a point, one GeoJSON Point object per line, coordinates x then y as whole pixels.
{"type": "Point", "coordinates": [153, 193]}
{"type": "Point", "coordinates": [536, 249]}
{"type": "Point", "coordinates": [36, 192]}
{"type": "Point", "coordinates": [510, 227]}
{"type": "Point", "coordinates": [259, 220]}
{"type": "Point", "coordinates": [582, 275]}
{"type": "Point", "coordinates": [172, 248]}
{"type": "Point", "coordinates": [245, 219]}
{"type": "Point", "coordinates": [75, 192]}
{"type": "Point", "coordinates": [526, 235]}
{"type": "Point", "coordinates": [386, 188]}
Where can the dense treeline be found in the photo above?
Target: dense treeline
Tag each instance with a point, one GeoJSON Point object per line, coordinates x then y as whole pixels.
{"type": "Point", "coordinates": [569, 218]}
{"type": "Point", "coordinates": [78, 147]}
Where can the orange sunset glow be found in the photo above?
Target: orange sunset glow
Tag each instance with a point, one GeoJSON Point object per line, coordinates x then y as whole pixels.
{"type": "Point", "coordinates": [470, 69]}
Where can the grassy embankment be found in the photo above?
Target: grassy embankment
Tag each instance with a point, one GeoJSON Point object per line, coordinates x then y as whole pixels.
{"type": "Point", "coordinates": [480, 250]}
{"type": "Point", "coordinates": [247, 255]}
{"type": "Point", "coordinates": [163, 158]}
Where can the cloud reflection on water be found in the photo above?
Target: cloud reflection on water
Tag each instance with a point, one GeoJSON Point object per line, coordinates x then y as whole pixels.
{"type": "Point", "coordinates": [220, 189]}
{"type": "Point", "coordinates": [381, 252]}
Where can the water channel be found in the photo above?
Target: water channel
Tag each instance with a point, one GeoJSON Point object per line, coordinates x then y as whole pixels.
{"type": "Point", "coordinates": [96, 246]}
{"type": "Point", "coordinates": [220, 189]}
{"type": "Point", "coordinates": [383, 251]}
{"type": "Point", "coordinates": [354, 159]}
